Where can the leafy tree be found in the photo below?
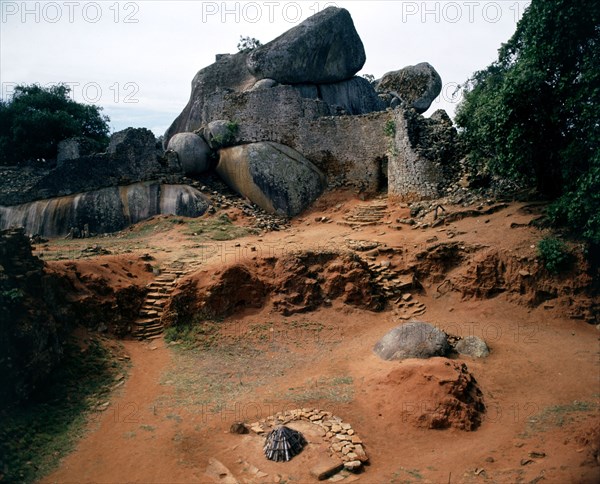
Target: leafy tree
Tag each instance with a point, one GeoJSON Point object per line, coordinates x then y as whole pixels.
{"type": "Point", "coordinates": [246, 44]}
{"type": "Point", "coordinates": [37, 118]}
{"type": "Point", "coordinates": [532, 115]}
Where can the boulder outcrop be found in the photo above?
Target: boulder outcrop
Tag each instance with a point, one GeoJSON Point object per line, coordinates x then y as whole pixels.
{"type": "Point", "coordinates": [275, 177]}
{"type": "Point", "coordinates": [105, 210]}
{"type": "Point", "coordinates": [228, 74]}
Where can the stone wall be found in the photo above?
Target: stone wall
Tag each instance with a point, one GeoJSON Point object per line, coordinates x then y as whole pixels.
{"type": "Point", "coordinates": [348, 149]}
{"type": "Point", "coordinates": [411, 176]}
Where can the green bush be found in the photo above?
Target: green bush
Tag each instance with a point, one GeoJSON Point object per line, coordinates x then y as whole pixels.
{"type": "Point", "coordinates": [246, 44]}
{"type": "Point", "coordinates": [532, 115]}
{"type": "Point", "coordinates": [554, 254]}
{"type": "Point", "coordinates": [37, 118]}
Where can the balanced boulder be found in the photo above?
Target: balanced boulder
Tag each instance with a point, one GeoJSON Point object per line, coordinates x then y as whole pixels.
{"type": "Point", "coordinates": [324, 48]}
{"type": "Point", "coordinates": [355, 96]}
{"type": "Point", "coordinates": [275, 177]}
{"type": "Point", "coordinates": [417, 86]}
{"type": "Point", "coordinates": [193, 152]}
{"type": "Point", "coordinates": [412, 340]}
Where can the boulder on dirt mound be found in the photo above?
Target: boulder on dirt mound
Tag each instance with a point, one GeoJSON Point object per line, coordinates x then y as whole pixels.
{"type": "Point", "coordinates": [275, 177]}
{"type": "Point", "coordinates": [324, 48]}
{"type": "Point", "coordinates": [412, 340]}
{"type": "Point", "coordinates": [435, 394]}
{"type": "Point", "coordinates": [472, 346]}
{"type": "Point", "coordinates": [417, 86]}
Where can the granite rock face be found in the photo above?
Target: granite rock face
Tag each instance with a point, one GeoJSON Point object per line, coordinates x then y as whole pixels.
{"type": "Point", "coordinates": [275, 177]}
{"type": "Point", "coordinates": [103, 211]}
{"type": "Point", "coordinates": [354, 96]}
{"type": "Point", "coordinates": [324, 48]}
{"type": "Point", "coordinates": [132, 157]}
{"type": "Point", "coordinates": [228, 74]}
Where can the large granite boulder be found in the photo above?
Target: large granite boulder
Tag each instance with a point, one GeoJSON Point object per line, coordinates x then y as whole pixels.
{"type": "Point", "coordinates": [275, 177]}
{"type": "Point", "coordinates": [417, 86]}
{"type": "Point", "coordinates": [227, 74]}
{"type": "Point", "coordinates": [324, 48]}
{"type": "Point", "coordinates": [193, 152]}
{"type": "Point", "coordinates": [106, 210]}
{"type": "Point", "coordinates": [412, 340]}
{"type": "Point", "coordinates": [355, 96]}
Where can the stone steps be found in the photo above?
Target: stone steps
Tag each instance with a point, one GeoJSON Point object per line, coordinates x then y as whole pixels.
{"type": "Point", "coordinates": [397, 288]}
{"type": "Point", "coordinates": [364, 215]}
{"type": "Point", "coordinates": [149, 325]}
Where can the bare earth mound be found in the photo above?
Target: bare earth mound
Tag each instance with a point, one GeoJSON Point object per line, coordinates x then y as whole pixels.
{"type": "Point", "coordinates": [443, 394]}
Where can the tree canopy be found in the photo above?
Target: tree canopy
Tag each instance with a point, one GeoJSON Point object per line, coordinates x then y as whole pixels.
{"type": "Point", "coordinates": [36, 119]}
{"type": "Point", "coordinates": [533, 115]}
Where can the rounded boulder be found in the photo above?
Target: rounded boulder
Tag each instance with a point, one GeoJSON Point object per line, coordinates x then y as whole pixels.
{"type": "Point", "coordinates": [193, 152]}
{"type": "Point", "coordinates": [412, 340]}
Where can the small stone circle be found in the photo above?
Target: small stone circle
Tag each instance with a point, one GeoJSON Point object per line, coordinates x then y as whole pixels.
{"type": "Point", "coordinates": [343, 440]}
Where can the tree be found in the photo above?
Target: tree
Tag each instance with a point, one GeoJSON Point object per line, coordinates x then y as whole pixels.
{"type": "Point", "coordinates": [246, 44]}
{"type": "Point", "coordinates": [532, 115]}
{"type": "Point", "coordinates": [37, 118]}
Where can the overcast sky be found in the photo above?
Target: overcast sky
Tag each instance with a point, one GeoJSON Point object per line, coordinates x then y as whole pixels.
{"type": "Point", "coordinates": [136, 59]}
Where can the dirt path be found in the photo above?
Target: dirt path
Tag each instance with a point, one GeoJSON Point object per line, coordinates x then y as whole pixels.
{"type": "Point", "coordinates": [130, 441]}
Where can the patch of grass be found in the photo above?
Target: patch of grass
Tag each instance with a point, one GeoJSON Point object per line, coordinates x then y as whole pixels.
{"type": "Point", "coordinates": [35, 435]}
{"type": "Point", "coordinates": [337, 389]}
{"type": "Point", "coordinates": [560, 415]}
{"type": "Point", "coordinates": [220, 228]}
{"type": "Point", "coordinates": [406, 476]}
{"type": "Point", "coordinates": [148, 428]}
{"type": "Point", "coordinates": [203, 334]}
{"type": "Point", "coordinates": [174, 416]}
{"type": "Point", "coordinates": [390, 128]}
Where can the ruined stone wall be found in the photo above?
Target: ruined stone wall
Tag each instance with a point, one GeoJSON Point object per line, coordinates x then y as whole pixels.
{"type": "Point", "coordinates": [348, 149]}
{"type": "Point", "coordinates": [411, 176]}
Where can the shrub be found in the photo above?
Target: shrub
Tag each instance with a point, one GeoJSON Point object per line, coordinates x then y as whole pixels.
{"type": "Point", "coordinates": [554, 254]}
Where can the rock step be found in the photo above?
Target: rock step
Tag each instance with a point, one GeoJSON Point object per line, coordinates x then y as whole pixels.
{"type": "Point", "coordinates": [143, 322]}
{"type": "Point", "coordinates": [149, 328]}
{"type": "Point", "coordinates": [148, 312]}
{"type": "Point", "coordinates": [157, 295]}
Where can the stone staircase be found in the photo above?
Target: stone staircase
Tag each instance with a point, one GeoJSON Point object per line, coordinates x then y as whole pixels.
{"type": "Point", "coordinates": [148, 325]}
{"type": "Point", "coordinates": [367, 214]}
{"type": "Point", "coordinates": [397, 289]}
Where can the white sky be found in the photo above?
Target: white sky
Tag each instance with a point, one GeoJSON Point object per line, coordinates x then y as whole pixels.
{"type": "Point", "coordinates": [136, 59]}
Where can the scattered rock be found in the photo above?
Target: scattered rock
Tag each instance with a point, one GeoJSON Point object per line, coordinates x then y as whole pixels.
{"type": "Point", "coordinates": [472, 346]}
{"type": "Point", "coordinates": [326, 467]}
{"type": "Point", "coordinates": [238, 428]}
{"type": "Point", "coordinates": [218, 473]}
